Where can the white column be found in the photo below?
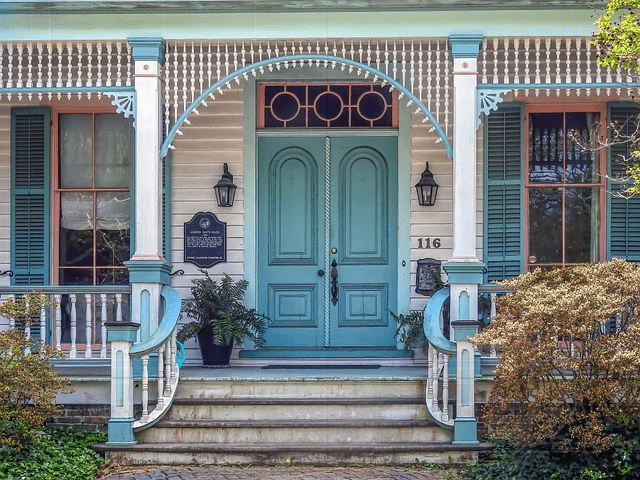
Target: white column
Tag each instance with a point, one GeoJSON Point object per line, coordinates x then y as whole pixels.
{"type": "Point", "coordinates": [465, 79]}
{"type": "Point", "coordinates": [148, 55]}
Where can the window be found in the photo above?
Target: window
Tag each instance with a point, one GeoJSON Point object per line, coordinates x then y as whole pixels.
{"type": "Point", "coordinates": [564, 188]}
{"type": "Point", "coordinates": [92, 198]}
{"type": "Point", "coordinates": [546, 198]}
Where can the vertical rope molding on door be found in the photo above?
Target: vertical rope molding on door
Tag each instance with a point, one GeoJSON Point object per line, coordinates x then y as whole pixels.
{"type": "Point", "coordinates": [327, 236]}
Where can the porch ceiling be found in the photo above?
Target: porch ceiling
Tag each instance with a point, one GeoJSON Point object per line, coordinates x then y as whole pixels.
{"type": "Point", "coordinates": [93, 6]}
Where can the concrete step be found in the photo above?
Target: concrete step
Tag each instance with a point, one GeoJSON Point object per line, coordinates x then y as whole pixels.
{"type": "Point", "coordinates": [390, 453]}
{"type": "Point", "coordinates": [251, 408]}
{"type": "Point", "coordinates": [294, 431]}
{"type": "Point", "coordinates": [300, 388]}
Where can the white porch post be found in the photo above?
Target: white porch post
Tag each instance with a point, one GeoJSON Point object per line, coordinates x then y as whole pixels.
{"type": "Point", "coordinates": [148, 271]}
{"type": "Point", "coordinates": [464, 269]}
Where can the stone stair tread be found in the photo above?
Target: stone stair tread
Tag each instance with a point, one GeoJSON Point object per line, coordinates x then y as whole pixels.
{"type": "Point", "coordinates": [378, 447]}
{"type": "Point", "coordinates": [258, 400]}
{"type": "Point", "coordinates": [295, 423]}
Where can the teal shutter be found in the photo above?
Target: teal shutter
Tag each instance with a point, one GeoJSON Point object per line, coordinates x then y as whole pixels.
{"type": "Point", "coordinates": [503, 193]}
{"type": "Point", "coordinates": [623, 226]}
{"type": "Point", "coordinates": [30, 177]}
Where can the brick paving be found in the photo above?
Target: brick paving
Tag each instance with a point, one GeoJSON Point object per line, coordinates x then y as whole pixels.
{"type": "Point", "coordinates": [278, 473]}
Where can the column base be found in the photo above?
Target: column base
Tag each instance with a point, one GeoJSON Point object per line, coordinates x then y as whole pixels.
{"type": "Point", "coordinates": [465, 431]}
{"type": "Point", "coordinates": [120, 432]}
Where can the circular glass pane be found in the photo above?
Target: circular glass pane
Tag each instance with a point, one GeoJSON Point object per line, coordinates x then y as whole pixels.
{"type": "Point", "coordinates": [372, 106]}
{"type": "Point", "coordinates": [285, 106]}
{"type": "Point", "coordinates": [328, 106]}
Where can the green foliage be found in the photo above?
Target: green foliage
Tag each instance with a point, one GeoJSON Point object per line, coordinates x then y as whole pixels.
{"type": "Point", "coordinates": [28, 386]}
{"type": "Point", "coordinates": [25, 309]}
{"type": "Point", "coordinates": [570, 368]}
{"type": "Point", "coordinates": [54, 454]}
{"type": "Point", "coordinates": [410, 330]}
{"type": "Point", "coordinates": [509, 461]}
{"type": "Point", "coordinates": [221, 305]}
{"type": "Point", "coordinates": [618, 36]}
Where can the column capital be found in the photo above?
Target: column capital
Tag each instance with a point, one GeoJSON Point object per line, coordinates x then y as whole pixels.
{"type": "Point", "coordinates": [465, 45]}
{"type": "Point", "coordinates": [149, 271]}
{"type": "Point", "coordinates": [147, 48]}
{"type": "Point", "coordinates": [464, 272]}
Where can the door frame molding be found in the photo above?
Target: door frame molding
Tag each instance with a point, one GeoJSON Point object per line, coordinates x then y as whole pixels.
{"type": "Point", "coordinates": [403, 258]}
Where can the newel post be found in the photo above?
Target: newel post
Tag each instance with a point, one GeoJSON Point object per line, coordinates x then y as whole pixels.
{"type": "Point", "coordinates": [120, 429]}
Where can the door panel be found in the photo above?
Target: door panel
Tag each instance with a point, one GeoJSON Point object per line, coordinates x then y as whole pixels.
{"type": "Point", "coordinates": [296, 204]}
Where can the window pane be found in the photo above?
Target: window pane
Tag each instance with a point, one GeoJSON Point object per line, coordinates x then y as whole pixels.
{"type": "Point", "coordinates": [76, 150]}
{"type": "Point", "coordinates": [76, 276]}
{"type": "Point", "coordinates": [582, 149]}
{"type": "Point", "coordinates": [581, 225]}
{"type": "Point", "coordinates": [545, 225]}
{"type": "Point", "coordinates": [76, 211]}
{"type": "Point", "coordinates": [546, 142]}
{"type": "Point", "coordinates": [113, 210]}
{"type": "Point", "coordinates": [112, 276]}
{"type": "Point", "coordinates": [112, 247]}
{"type": "Point", "coordinates": [113, 151]}
{"type": "Point", "coordinates": [76, 247]}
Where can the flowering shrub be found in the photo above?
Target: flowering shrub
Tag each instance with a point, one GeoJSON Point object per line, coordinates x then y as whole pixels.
{"type": "Point", "coordinates": [570, 367]}
{"type": "Point", "coordinates": [28, 387]}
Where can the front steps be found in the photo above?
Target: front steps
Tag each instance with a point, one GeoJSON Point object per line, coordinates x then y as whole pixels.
{"type": "Point", "coordinates": [304, 420]}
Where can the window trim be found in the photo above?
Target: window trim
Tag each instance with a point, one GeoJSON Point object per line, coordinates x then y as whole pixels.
{"type": "Point", "coordinates": [600, 108]}
{"type": "Point", "coordinates": [55, 189]}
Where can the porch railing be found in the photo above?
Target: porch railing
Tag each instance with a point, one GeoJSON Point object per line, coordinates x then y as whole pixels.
{"type": "Point", "coordinates": [75, 326]}
{"type": "Point", "coordinates": [440, 351]}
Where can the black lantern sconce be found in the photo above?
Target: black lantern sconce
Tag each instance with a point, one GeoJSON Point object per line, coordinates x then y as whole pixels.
{"type": "Point", "coordinates": [427, 188]}
{"type": "Point", "coordinates": [225, 189]}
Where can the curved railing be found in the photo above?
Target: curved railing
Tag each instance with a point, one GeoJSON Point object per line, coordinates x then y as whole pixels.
{"type": "Point", "coordinates": [161, 347]}
{"type": "Point", "coordinates": [439, 353]}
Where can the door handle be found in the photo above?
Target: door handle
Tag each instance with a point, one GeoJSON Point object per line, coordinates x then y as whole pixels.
{"type": "Point", "coordinates": [334, 282]}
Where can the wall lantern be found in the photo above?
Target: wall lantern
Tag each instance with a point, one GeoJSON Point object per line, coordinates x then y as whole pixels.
{"type": "Point", "coordinates": [225, 189]}
{"type": "Point", "coordinates": [427, 188]}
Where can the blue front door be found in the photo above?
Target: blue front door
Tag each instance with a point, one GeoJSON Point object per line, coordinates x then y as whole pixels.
{"type": "Point", "coordinates": [327, 240]}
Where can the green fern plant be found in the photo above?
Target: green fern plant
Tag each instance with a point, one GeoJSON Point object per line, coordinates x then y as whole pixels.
{"type": "Point", "coordinates": [220, 305]}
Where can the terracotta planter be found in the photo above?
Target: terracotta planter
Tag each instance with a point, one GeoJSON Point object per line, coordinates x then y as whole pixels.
{"type": "Point", "coordinates": [213, 354]}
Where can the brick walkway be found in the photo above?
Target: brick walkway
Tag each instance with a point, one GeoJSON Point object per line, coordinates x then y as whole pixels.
{"type": "Point", "coordinates": [279, 473]}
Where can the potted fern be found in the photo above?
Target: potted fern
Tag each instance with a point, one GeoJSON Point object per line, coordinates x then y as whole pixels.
{"type": "Point", "coordinates": [220, 319]}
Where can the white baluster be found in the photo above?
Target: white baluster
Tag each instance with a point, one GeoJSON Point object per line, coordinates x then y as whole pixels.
{"type": "Point", "coordinates": [430, 95]}
{"type": "Point", "coordinates": [193, 72]}
{"type": "Point", "coordinates": [558, 62]}
{"type": "Point", "coordinates": [430, 373]}
{"type": "Point", "coordinates": [437, 100]}
{"type": "Point", "coordinates": [118, 307]}
{"type": "Point", "coordinates": [420, 71]}
{"type": "Point", "coordinates": [10, 54]}
{"type": "Point", "coordinates": [40, 47]}
{"type": "Point", "coordinates": [516, 61]}
{"type": "Point", "coordinates": [160, 376]}
{"type": "Point", "coordinates": [80, 48]}
{"type": "Point", "coordinates": [99, 64]}
{"type": "Point", "coordinates": [88, 324]}
{"type": "Point", "coordinates": [547, 50]}
{"type": "Point", "coordinates": [43, 326]}
{"type": "Point", "coordinates": [145, 388]}
{"type": "Point", "coordinates": [29, 64]}
{"type": "Point", "coordinates": [537, 44]}
{"type": "Point", "coordinates": [103, 329]}
{"type": "Point", "coordinates": [167, 366]}
{"type": "Point", "coordinates": [89, 64]}
{"type": "Point", "coordinates": [174, 363]}
{"type": "Point", "coordinates": [445, 389]}
{"type": "Point", "coordinates": [69, 64]}
{"type": "Point", "coordinates": [58, 322]}
{"type": "Point", "coordinates": [119, 64]}
{"type": "Point", "coordinates": [434, 382]}
{"type": "Point", "coordinates": [12, 321]}
{"type": "Point", "coordinates": [109, 55]}
{"type": "Point", "coordinates": [496, 78]}
{"type": "Point", "coordinates": [19, 66]}
{"type": "Point", "coordinates": [73, 352]}
{"type": "Point", "coordinates": [447, 79]}
{"type": "Point", "coordinates": [49, 64]}
{"type": "Point", "coordinates": [505, 42]}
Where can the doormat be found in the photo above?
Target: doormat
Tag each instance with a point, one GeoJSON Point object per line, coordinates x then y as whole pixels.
{"type": "Point", "coordinates": [320, 367]}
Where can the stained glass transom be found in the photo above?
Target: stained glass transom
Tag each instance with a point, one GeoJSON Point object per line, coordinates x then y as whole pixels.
{"type": "Point", "coordinates": [326, 106]}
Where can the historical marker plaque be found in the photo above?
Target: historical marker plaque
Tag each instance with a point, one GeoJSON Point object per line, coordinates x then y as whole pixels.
{"type": "Point", "coordinates": [205, 240]}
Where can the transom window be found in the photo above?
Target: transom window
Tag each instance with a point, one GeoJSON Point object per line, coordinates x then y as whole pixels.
{"type": "Point", "coordinates": [326, 106]}
{"type": "Point", "coordinates": [564, 187]}
{"type": "Point", "coordinates": [91, 195]}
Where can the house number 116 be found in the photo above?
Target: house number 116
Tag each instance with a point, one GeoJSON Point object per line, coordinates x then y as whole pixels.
{"type": "Point", "coordinates": [429, 243]}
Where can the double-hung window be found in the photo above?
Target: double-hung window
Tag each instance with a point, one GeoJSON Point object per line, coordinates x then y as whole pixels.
{"type": "Point", "coordinates": [92, 177]}
{"type": "Point", "coordinates": [564, 186]}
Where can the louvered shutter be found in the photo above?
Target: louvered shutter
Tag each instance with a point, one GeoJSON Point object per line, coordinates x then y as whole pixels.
{"type": "Point", "coordinates": [623, 225]}
{"type": "Point", "coordinates": [503, 193]}
{"type": "Point", "coordinates": [30, 222]}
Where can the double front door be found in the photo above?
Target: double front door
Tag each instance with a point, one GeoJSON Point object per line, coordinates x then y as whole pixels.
{"type": "Point", "coordinates": [327, 240]}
